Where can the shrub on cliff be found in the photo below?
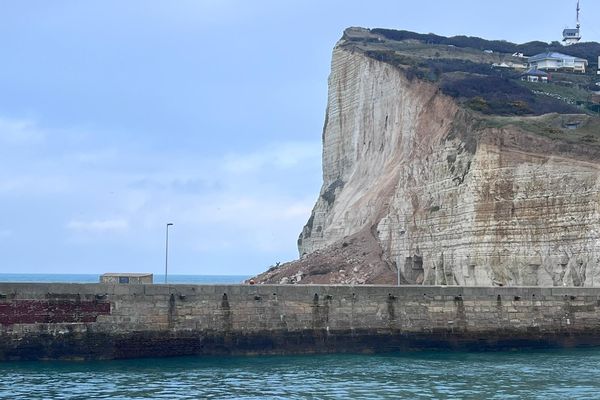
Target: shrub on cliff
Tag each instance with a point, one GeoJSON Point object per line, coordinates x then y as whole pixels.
{"type": "Point", "coordinates": [432, 69]}
{"type": "Point", "coordinates": [490, 87]}
{"type": "Point", "coordinates": [502, 96]}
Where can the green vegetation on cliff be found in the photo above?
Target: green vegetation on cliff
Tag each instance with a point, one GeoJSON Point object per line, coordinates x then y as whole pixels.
{"type": "Point", "coordinates": [587, 50]}
{"type": "Point", "coordinates": [484, 75]}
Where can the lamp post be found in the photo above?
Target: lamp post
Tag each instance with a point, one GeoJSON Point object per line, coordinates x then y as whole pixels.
{"type": "Point", "coordinates": [167, 251]}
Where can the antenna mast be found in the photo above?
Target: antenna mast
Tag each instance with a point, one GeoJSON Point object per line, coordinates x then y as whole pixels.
{"type": "Point", "coordinates": [572, 36]}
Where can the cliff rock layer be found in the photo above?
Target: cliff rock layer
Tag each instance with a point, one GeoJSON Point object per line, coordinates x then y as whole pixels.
{"type": "Point", "coordinates": [417, 188]}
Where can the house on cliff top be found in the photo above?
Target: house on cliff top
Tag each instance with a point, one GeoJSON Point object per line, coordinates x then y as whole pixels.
{"type": "Point", "coordinates": [553, 61]}
{"type": "Point", "coordinates": [535, 75]}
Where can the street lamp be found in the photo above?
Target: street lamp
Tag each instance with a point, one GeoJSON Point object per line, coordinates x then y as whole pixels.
{"type": "Point", "coordinates": [167, 251]}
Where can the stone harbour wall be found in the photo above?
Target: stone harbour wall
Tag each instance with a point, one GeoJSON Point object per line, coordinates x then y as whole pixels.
{"type": "Point", "coordinates": [99, 321]}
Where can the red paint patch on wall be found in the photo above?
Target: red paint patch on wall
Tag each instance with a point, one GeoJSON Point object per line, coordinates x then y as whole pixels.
{"type": "Point", "coordinates": [51, 311]}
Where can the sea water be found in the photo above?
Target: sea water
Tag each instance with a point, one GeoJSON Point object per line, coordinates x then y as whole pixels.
{"type": "Point", "coordinates": [557, 374]}
{"type": "Point", "coordinates": [95, 278]}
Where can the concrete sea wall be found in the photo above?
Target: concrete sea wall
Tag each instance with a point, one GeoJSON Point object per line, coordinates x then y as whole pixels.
{"type": "Point", "coordinates": [99, 321]}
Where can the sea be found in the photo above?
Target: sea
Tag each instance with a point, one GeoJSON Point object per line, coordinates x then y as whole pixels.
{"type": "Point", "coordinates": [95, 278]}
{"type": "Point", "coordinates": [541, 374]}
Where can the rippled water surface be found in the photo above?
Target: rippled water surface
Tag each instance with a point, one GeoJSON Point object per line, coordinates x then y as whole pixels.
{"type": "Point", "coordinates": [564, 374]}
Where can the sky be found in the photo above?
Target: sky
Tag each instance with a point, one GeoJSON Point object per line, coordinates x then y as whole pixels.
{"type": "Point", "coordinates": [117, 117]}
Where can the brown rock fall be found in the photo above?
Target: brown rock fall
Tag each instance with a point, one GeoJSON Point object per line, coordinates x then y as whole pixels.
{"type": "Point", "coordinates": [413, 181]}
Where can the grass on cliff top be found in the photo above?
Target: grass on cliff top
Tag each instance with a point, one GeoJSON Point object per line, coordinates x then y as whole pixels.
{"type": "Point", "coordinates": [415, 49]}
{"type": "Point", "coordinates": [462, 70]}
{"type": "Point", "coordinates": [572, 128]}
{"type": "Point", "coordinates": [587, 50]}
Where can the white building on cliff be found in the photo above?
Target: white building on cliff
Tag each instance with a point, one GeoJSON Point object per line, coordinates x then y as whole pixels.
{"type": "Point", "coordinates": [572, 36]}
{"type": "Point", "coordinates": [553, 61]}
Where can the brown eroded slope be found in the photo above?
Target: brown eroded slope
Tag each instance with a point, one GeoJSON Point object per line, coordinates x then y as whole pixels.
{"type": "Point", "coordinates": [416, 183]}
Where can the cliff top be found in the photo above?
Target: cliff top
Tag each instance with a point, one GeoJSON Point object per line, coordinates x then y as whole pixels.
{"type": "Point", "coordinates": [487, 76]}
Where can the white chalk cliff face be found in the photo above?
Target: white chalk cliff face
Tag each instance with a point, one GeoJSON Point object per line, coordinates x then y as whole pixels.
{"type": "Point", "coordinates": [448, 198]}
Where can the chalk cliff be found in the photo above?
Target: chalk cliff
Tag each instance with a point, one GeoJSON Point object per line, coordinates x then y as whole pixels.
{"type": "Point", "coordinates": [417, 186]}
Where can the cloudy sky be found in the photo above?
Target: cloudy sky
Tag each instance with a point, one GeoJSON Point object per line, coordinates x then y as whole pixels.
{"type": "Point", "coordinates": [118, 116]}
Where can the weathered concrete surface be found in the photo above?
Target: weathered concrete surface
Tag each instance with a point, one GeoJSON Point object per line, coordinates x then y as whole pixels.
{"type": "Point", "coordinates": [97, 321]}
{"type": "Point", "coordinates": [413, 182]}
